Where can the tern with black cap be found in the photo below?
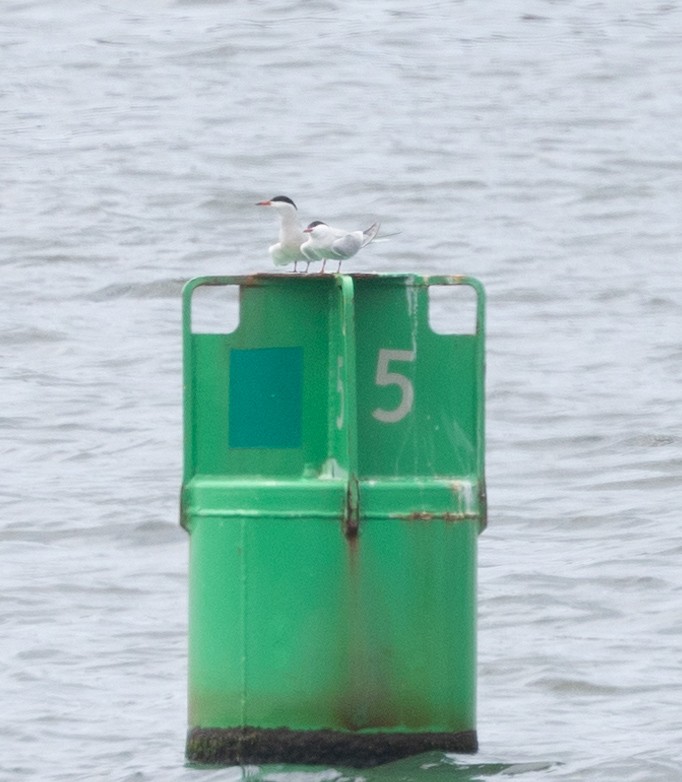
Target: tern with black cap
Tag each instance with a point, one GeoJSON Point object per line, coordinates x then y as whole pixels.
{"type": "Point", "coordinates": [327, 243]}
{"type": "Point", "coordinates": [288, 249]}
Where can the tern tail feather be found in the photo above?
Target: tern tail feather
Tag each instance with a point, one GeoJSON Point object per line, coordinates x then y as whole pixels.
{"type": "Point", "coordinates": [370, 233]}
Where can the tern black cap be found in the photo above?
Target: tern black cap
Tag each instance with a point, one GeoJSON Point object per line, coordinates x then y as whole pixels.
{"type": "Point", "coordinates": [286, 200]}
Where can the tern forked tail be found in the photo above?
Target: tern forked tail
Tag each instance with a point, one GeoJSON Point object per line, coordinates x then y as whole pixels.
{"type": "Point", "coordinates": [369, 234]}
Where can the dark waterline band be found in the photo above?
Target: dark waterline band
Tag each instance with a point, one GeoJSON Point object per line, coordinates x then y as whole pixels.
{"type": "Point", "coordinates": [234, 746]}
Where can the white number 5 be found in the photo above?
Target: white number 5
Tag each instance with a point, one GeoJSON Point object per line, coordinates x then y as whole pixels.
{"type": "Point", "coordinates": [386, 378]}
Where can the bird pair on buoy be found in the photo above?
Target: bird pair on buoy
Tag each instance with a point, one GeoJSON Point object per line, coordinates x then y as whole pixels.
{"type": "Point", "coordinates": [317, 242]}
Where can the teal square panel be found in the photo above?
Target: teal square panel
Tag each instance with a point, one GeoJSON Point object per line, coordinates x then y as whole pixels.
{"type": "Point", "coordinates": [266, 398]}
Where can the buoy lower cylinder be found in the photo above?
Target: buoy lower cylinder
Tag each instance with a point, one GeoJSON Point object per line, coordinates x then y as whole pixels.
{"type": "Point", "coordinates": [334, 494]}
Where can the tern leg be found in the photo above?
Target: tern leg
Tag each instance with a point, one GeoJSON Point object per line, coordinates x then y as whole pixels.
{"type": "Point", "coordinates": [324, 263]}
{"type": "Point", "coordinates": [338, 268]}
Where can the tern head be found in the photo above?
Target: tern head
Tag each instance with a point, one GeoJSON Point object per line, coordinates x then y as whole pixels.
{"type": "Point", "coordinates": [314, 228]}
{"type": "Point", "coordinates": [279, 202]}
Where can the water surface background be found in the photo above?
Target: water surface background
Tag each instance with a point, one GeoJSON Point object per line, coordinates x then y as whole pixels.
{"type": "Point", "coordinates": [536, 145]}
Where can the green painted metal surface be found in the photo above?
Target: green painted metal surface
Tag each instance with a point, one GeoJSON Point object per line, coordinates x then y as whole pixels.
{"type": "Point", "coordinates": [333, 491]}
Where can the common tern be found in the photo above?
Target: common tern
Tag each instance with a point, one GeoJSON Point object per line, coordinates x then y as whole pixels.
{"type": "Point", "coordinates": [327, 243]}
{"type": "Point", "coordinates": [288, 249]}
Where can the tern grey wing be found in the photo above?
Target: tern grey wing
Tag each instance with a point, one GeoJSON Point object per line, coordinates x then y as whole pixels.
{"type": "Point", "coordinates": [346, 246]}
